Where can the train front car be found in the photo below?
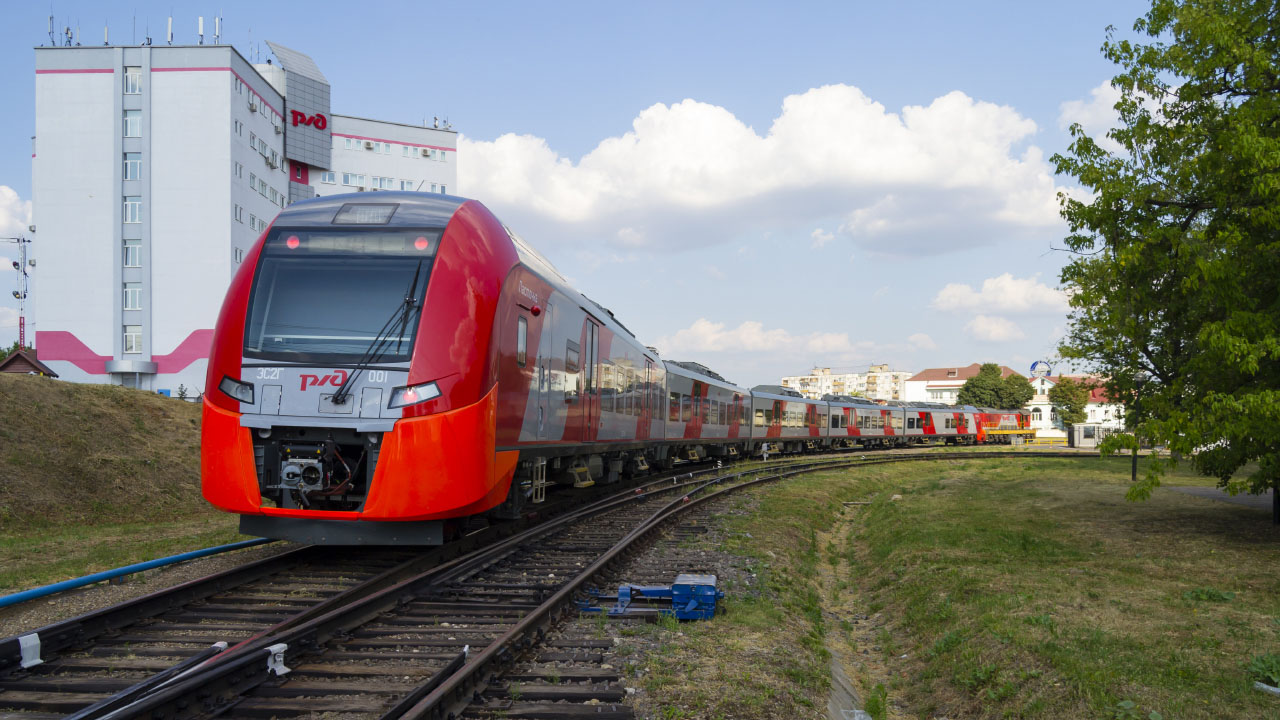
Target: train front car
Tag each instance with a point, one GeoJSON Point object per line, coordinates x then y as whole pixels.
{"type": "Point", "coordinates": [351, 393]}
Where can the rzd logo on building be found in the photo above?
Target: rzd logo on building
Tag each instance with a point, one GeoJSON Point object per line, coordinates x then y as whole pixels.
{"type": "Point", "coordinates": [317, 121]}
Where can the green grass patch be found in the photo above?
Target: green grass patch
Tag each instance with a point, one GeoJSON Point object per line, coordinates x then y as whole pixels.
{"type": "Point", "coordinates": [1032, 589]}
{"type": "Point", "coordinates": [29, 559]}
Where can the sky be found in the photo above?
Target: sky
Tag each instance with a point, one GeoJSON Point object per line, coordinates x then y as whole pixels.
{"type": "Point", "coordinates": [759, 187]}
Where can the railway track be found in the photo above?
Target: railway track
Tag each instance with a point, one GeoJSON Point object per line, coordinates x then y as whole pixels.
{"type": "Point", "coordinates": [382, 636]}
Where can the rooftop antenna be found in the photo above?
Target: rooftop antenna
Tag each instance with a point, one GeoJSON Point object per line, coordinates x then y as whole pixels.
{"type": "Point", "coordinates": [200, 29]}
{"type": "Point", "coordinates": [169, 35]}
{"type": "Point", "coordinates": [217, 29]}
{"type": "Point", "coordinates": [66, 31]}
{"type": "Point", "coordinates": [52, 42]}
{"type": "Point", "coordinates": [105, 40]}
{"type": "Point", "coordinates": [133, 38]}
{"type": "Point", "coordinates": [77, 33]}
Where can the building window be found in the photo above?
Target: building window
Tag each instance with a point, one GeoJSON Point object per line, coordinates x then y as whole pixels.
{"type": "Point", "coordinates": [239, 254]}
{"type": "Point", "coordinates": [132, 208]}
{"type": "Point", "coordinates": [132, 166]}
{"type": "Point", "coordinates": [133, 296]}
{"type": "Point", "coordinates": [444, 190]}
{"type": "Point", "coordinates": [351, 144]}
{"type": "Point", "coordinates": [133, 338]}
{"type": "Point", "coordinates": [133, 81]}
{"type": "Point", "coordinates": [239, 170]}
{"type": "Point", "coordinates": [406, 184]}
{"type": "Point", "coordinates": [239, 86]}
{"type": "Point", "coordinates": [441, 156]}
{"type": "Point", "coordinates": [381, 183]}
{"type": "Point", "coordinates": [133, 253]}
{"type": "Point", "coordinates": [353, 179]}
{"type": "Point", "coordinates": [239, 128]}
{"type": "Point", "coordinates": [133, 123]}
{"type": "Point", "coordinates": [433, 187]}
{"type": "Point", "coordinates": [253, 221]}
{"type": "Point", "coordinates": [327, 178]}
{"type": "Point", "coordinates": [253, 181]}
{"type": "Point", "coordinates": [239, 214]}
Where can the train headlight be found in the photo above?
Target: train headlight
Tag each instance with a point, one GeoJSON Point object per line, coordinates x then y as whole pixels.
{"type": "Point", "coordinates": [413, 394]}
{"type": "Point", "coordinates": [237, 390]}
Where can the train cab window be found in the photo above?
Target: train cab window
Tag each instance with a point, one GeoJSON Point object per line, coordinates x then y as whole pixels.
{"type": "Point", "coordinates": [674, 412]}
{"type": "Point", "coordinates": [571, 357]}
{"type": "Point", "coordinates": [835, 422]}
{"type": "Point", "coordinates": [759, 418]}
{"type": "Point", "coordinates": [522, 331]}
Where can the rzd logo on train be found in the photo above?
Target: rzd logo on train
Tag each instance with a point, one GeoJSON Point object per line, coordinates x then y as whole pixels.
{"type": "Point", "coordinates": [336, 378]}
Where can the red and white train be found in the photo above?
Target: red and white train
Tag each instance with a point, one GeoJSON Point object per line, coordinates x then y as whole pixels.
{"type": "Point", "coordinates": [387, 365]}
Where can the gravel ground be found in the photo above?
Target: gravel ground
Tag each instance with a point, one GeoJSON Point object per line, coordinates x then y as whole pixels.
{"type": "Point", "coordinates": [35, 614]}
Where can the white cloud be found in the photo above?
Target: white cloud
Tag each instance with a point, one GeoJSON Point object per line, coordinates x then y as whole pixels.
{"type": "Point", "coordinates": [920, 341]}
{"type": "Point", "coordinates": [993, 329]}
{"type": "Point", "coordinates": [820, 237]}
{"type": "Point", "coordinates": [1097, 115]}
{"type": "Point", "coordinates": [15, 213]}
{"type": "Point", "coordinates": [752, 336]}
{"type": "Point", "coordinates": [1003, 293]}
{"type": "Point", "coordinates": [692, 174]}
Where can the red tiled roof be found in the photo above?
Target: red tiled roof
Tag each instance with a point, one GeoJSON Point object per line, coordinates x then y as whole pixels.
{"type": "Point", "coordinates": [957, 373]}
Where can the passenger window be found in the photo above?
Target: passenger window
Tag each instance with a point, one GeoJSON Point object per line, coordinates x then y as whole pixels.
{"type": "Point", "coordinates": [674, 413]}
{"type": "Point", "coordinates": [522, 330]}
{"type": "Point", "coordinates": [686, 410]}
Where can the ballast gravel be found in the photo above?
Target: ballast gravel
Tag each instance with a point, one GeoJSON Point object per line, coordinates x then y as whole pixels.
{"type": "Point", "coordinates": [35, 614]}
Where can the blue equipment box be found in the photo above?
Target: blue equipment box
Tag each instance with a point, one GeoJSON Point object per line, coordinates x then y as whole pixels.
{"type": "Point", "coordinates": [690, 597]}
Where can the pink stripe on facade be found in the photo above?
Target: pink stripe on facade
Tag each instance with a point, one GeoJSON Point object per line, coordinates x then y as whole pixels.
{"type": "Point", "coordinates": [195, 347]}
{"type": "Point", "coordinates": [63, 346]}
{"type": "Point", "coordinates": [394, 142]}
{"type": "Point", "coordinates": [74, 71]}
{"type": "Point", "coordinates": [223, 69]}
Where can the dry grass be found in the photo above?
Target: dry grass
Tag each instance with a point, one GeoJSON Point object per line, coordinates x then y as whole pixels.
{"type": "Point", "coordinates": [94, 453]}
{"type": "Point", "coordinates": [94, 477]}
{"type": "Point", "coordinates": [993, 588]}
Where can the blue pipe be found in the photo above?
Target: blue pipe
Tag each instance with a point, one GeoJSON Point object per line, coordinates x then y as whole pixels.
{"type": "Point", "coordinates": [32, 594]}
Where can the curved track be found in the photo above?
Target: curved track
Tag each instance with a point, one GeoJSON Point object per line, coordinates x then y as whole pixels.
{"type": "Point", "coordinates": [385, 636]}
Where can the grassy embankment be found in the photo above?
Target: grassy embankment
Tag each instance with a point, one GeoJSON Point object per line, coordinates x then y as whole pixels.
{"type": "Point", "coordinates": [94, 477]}
{"type": "Point", "coordinates": [992, 588]}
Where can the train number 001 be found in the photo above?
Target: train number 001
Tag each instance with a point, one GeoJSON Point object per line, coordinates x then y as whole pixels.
{"type": "Point", "coordinates": [377, 376]}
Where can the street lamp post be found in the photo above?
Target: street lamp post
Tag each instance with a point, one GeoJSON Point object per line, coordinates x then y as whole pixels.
{"type": "Point", "coordinates": [1139, 380]}
{"type": "Point", "coordinates": [24, 285]}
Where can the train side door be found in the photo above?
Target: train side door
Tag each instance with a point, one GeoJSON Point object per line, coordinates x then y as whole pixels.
{"type": "Point", "coordinates": [590, 389]}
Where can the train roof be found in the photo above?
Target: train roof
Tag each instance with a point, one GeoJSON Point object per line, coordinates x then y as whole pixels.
{"type": "Point", "coordinates": [779, 391]}
{"type": "Point", "coordinates": [411, 209]}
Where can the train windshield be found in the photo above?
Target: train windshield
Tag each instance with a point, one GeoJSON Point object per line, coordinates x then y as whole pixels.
{"type": "Point", "coordinates": [331, 296]}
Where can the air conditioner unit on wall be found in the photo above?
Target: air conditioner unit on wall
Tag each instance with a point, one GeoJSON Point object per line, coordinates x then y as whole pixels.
{"type": "Point", "coordinates": [368, 145]}
{"type": "Point", "coordinates": [253, 106]}
{"type": "Point", "coordinates": [279, 129]}
{"type": "Point", "coordinates": [426, 152]}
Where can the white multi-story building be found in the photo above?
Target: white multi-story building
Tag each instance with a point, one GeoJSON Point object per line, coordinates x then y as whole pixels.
{"type": "Point", "coordinates": [155, 168]}
{"type": "Point", "coordinates": [878, 383]}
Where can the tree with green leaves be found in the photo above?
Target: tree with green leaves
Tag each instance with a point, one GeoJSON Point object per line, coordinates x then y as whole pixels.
{"type": "Point", "coordinates": [988, 389]}
{"type": "Point", "coordinates": [983, 389]}
{"type": "Point", "coordinates": [1175, 283]}
{"type": "Point", "coordinates": [1015, 392]}
{"type": "Point", "coordinates": [1070, 397]}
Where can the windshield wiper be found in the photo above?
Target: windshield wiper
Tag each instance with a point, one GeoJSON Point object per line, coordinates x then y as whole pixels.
{"type": "Point", "coordinates": [381, 342]}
